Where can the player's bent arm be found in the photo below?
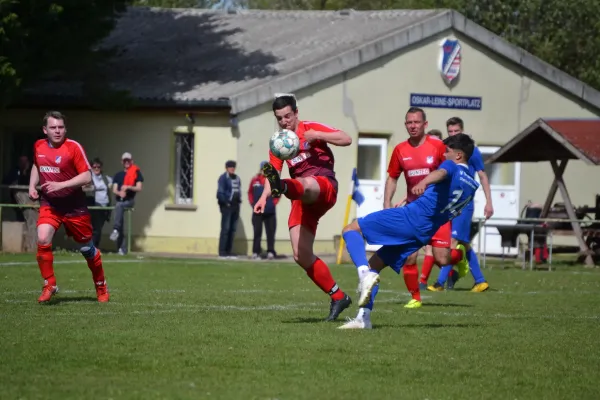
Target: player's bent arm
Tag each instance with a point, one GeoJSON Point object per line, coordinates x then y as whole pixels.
{"type": "Point", "coordinates": [82, 179]}
{"type": "Point", "coordinates": [436, 176]}
{"type": "Point", "coordinates": [34, 177]}
{"type": "Point", "coordinates": [390, 189]}
{"type": "Point", "coordinates": [485, 184]}
{"type": "Point", "coordinates": [337, 138]}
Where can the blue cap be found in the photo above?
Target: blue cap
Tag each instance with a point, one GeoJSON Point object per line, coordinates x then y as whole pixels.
{"type": "Point", "coordinates": [263, 163]}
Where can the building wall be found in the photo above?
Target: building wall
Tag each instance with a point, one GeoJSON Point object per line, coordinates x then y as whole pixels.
{"type": "Point", "coordinates": [149, 136]}
{"type": "Point", "coordinates": [373, 98]}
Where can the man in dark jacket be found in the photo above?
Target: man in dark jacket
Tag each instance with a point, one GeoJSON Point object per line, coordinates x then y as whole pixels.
{"type": "Point", "coordinates": [268, 217]}
{"type": "Point", "coordinates": [229, 196]}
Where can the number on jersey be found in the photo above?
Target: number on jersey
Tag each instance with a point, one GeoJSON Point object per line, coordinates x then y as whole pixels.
{"type": "Point", "coordinates": [455, 207]}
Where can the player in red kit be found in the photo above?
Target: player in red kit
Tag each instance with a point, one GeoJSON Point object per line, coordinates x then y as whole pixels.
{"type": "Point", "coordinates": [312, 190]}
{"type": "Point", "coordinates": [416, 158]}
{"type": "Point", "coordinates": [61, 168]}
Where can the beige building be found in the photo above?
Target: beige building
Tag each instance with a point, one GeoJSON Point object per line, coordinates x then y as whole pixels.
{"type": "Point", "coordinates": [203, 82]}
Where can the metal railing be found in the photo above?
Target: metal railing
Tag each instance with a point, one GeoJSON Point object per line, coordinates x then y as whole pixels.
{"type": "Point", "coordinates": [128, 212]}
{"type": "Point", "coordinates": [532, 225]}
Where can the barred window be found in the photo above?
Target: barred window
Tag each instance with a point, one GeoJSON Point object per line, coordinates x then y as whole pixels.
{"type": "Point", "coordinates": [184, 168]}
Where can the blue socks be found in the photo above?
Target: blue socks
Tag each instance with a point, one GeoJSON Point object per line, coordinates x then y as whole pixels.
{"type": "Point", "coordinates": [355, 244]}
{"type": "Point", "coordinates": [443, 276]}
{"type": "Point", "coordinates": [475, 267]}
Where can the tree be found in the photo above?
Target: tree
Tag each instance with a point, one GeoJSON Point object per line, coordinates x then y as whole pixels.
{"type": "Point", "coordinates": [41, 37]}
{"type": "Point", "coordinates": [177, 3]}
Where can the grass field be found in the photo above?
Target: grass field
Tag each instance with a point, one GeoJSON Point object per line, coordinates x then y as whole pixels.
{"type": "Point", "coordinates": [196, 329]}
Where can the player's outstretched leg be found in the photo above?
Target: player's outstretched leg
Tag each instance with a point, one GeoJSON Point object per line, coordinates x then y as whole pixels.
{"type": "Point", "coordinates": [317, 270]}
{"type": "Point", "coordinates": [45, 260]}
{"type": "Point", "coordinates": [293, 189]}
{"type": "Point", "coordinates": [94, 261]}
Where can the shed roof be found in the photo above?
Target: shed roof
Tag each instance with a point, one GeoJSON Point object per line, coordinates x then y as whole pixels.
{"type": "Point", "coordinates": [553, 139]}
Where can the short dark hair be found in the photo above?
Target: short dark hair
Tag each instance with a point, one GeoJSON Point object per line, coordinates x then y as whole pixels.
{"type": "Point", "coordinates": [284, 101]}
{"type": "Point", "coordinates": [436, 132]}
{"type": "Point", "coordinates": [455, 121]}
{"type": "Point", "coordinates": [97, 161]}
{"type": "Point", "coordinates": [55, 115]}
{"type": "Point", "coordinates": [414, 110]}
{"type": "Point", "coordinates": [461, 142]}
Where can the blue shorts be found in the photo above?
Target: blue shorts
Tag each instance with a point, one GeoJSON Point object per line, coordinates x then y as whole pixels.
{"type": "Point", "coordinates": [391, 229]}
{"type": "Point", "coordinates": [395, 256]}
{"type": "Point", "coordinates": [461, 225]}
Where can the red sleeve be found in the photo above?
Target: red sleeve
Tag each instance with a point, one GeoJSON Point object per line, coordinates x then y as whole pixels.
{"type": "Point", "coordinates": [81, 162]}
{"type": "Point", "coordinates": [395, 165]}
{"type": "Point", "coordinates": [276, 162]}
{"type": "Point", "coordinates": [316, 126]}
{"type": "Point", "coordinates": [250, 191]}
{"type": "Point", "coordinates": [35, 157]}
{"type": "Point", "coordinates": [276, 200]}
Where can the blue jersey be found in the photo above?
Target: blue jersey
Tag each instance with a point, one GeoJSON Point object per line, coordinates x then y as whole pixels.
{"type": "Point", "coordinates": [442, 201]}
{"type": "Point", "coordinates": [475, 162]}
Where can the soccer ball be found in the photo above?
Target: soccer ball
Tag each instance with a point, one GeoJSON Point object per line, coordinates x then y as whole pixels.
{"type": "Point", "coordinates": [284, 144]}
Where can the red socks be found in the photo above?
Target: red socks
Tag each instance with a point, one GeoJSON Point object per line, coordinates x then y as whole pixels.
{"type": "Point", "coordinates": [321, 276]}
{"type": "Point", "coordinates": [294, 190]}
{"type": "Point", "coordinates": [45, 260]}
{"type": "Point", "coordinates": [428, 262]}
{"type": "Point", "coordinates": [455, 256]}
{"type": "Point", "coordinates": [411, 279]}
{"type": "Point", "coordinates": [95, 265]}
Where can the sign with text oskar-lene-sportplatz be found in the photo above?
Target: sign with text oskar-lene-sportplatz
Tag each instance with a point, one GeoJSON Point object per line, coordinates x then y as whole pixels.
{"type": "Point", "coordinates": [441, 101]}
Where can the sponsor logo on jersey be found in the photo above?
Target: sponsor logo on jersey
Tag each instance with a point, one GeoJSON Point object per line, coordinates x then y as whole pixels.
{"type": "Point", "coordinates": [299, 158]}
{"type": "Point", "coordinates": [52, 170]}
{"type": "Point", "coordinates": [418, 172]}
{"type": "Point", "coordinates": [49, 169]}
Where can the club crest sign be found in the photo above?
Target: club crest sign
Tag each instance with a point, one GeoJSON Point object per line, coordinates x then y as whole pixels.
{"type": "Point", "coordinates": [449, 59]}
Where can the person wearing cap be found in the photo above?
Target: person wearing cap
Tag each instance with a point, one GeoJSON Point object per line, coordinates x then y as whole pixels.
{"type": "Point", "coordinates": [229, 190]}
{"type": "Point", "coordinates": [267, 218]}
{"type": "Point", "coordinates": [126, 184]}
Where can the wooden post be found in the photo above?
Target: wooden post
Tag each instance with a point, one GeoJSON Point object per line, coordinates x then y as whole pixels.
{"type": "Point", "coordinates": [553, 189]}
{"type": "Point", "coordinates": [589, 261]}
{"type": "Point", "coordinates": [31, 217]}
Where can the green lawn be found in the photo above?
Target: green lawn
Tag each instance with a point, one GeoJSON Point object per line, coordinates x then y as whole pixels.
{"type": "Point", "coordinates": [195, 329]}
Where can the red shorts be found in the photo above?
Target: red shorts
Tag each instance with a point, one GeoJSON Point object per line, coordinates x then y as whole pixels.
{"type": "Point", "coordinates": [443, 237]}
{"type": "Point", "coordinates": [79, 227]}
{"type": "Point", "coordinates": [308, 215]}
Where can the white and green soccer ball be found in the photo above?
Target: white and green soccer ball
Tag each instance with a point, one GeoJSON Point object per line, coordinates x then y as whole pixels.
{"type": "Point", "coordinates": [284, 144]}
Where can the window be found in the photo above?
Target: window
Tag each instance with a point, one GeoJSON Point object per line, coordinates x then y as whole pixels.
{"type": "Point", "coordinates": [184, 168]}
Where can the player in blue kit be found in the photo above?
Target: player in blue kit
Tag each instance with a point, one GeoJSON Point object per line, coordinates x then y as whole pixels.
{"type": "Point", "coordinates": [402, 231]}
{"type": "Point", "coordinates": [461, 225]}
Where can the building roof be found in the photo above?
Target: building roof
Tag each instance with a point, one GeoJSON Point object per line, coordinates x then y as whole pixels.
{"type": "Point", "coordinates": [553, 139]}
{"type": "Point", "coordinates": [239, 59]}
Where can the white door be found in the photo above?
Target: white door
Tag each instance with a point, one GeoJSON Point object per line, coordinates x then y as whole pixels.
{"type": "Point", "coordinates": [371, 170]}
{"type": "Point", "coordinates": [504, 184]}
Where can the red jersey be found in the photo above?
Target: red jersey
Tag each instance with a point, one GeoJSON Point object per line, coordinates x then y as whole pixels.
{"type": "Point", "coordinates": [416, 162]}
{"type": "Point", "coordinates": [313, 159]}
{"type": "Point", "coordinates": [59, 164]}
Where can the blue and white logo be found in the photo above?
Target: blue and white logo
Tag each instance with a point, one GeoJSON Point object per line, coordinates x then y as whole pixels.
{"type": "Point", "coordinates": [449, 59]}
{"type": "Point", "coordinates": [58, 159]}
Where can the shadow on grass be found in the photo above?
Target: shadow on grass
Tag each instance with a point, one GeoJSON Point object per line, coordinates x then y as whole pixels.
{"type": "Point", "coordinates": [78, 299]}
{"type": "Point", "coordinates": [446, 305]}
{"type": "Point", "coordinates": [426, 326]}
